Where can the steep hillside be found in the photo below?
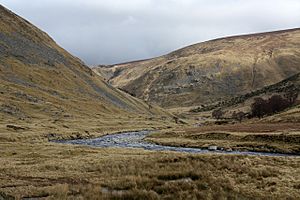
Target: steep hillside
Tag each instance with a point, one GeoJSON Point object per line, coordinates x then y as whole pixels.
{"type": "Point", "coordinates": [44, 89]}
{"type": "Point", "coordinates": [210, 71]}
{"type": "Point", "coordinates": [290, 85]}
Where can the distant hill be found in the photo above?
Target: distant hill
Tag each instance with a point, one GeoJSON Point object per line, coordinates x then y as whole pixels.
{"type": "Point", "coordinates": [44, 89]}
{"type": "Point", "coordinates": [210, 71]}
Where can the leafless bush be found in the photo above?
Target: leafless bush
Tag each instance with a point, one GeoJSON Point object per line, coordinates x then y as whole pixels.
{"type": "Point", "coordinates": [239, 116]}
{"type": "Point", "coordinates": [217, 114]}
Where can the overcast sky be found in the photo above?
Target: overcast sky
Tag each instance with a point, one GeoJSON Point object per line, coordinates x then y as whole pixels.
{"type": "Point", "coordinates": [113, 31]}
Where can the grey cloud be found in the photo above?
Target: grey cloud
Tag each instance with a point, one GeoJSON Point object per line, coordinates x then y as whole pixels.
{"type": "Point", "coordinates": [112, 31]}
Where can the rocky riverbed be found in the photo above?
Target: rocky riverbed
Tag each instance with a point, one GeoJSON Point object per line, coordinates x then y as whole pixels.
{"type": "Point", "coordinates": [136, 140]}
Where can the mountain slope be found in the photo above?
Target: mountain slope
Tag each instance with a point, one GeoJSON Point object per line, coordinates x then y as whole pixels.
{"type": "Point", "coordinates": [288, 86]}
{"type": "Point", "coordinates": [210, 71]}
{"type": "Point", "coordinates": [45, 89]}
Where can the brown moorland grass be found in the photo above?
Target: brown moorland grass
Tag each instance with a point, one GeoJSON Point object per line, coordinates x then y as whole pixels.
{"type": "Point", "coordinates": [47, 94]}
{"type": "Point", "coordinates": [210, 71]}
{"type": "Point", "coordinates": [57, 171]}
{"type": "Point", "coordinates": [248, 127]}
{"type": "Point", "coordinates": [266, 137]}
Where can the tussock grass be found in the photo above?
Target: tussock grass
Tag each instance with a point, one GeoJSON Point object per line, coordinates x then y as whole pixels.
{"type": "Point", "coordinates": [265, 137]}
{"type": "Point", "coordinates": [60, 171]}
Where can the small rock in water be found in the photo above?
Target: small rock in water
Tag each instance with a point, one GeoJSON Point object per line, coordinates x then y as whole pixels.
{"type": "Point", "coordinates": [212, 148]}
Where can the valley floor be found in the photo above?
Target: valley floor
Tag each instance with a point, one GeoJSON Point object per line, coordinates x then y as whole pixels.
{"type": "Point", "coordinates": [59, 171]}
{"type": "Point", "coordinates": [261, 137]}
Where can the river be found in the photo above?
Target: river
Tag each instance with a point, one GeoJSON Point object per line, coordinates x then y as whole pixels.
{"type": "Point", "coordinates": [136, 140]}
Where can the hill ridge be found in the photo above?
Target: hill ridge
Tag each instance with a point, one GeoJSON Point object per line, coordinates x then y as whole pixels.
{"type": "Point", "coordinates": [205, 72]}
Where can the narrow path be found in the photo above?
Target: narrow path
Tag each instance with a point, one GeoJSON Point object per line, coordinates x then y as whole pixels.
{"type": "Point", "coordinates": [136, 140]}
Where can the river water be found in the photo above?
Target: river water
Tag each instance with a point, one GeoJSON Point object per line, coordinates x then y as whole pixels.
{"type": "Point", "coordinates": [136, 140]}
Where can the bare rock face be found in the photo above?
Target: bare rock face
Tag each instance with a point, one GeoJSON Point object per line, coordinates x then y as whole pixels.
{"type": "Point", "coordinates": [210, 71]}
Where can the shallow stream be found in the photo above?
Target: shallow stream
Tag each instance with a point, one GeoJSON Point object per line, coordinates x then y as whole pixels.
{"type": "Point", "coordinates": [136, 140]}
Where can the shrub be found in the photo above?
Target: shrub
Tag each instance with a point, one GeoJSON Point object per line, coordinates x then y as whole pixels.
{"type": "Point", "coordinates": [239, 116]}
{"type": "Point", "coordinates": [276, 103]}
{"type": "Point", "coordinates": [217, 114]}
{"type": "Point", "coordinates": [259, 108]}
{"type": "Point", "coordinates": [291, 96]}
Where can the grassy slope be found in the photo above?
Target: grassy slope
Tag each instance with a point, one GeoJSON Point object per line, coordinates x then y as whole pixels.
{"type": "Point", "coordinates": [289, 115]}
{"type": "Point", "coordinates": [243, 102]}
{"type": "Point", "coordinates": [212, 70]}
{"type": "Point", "coordinates": [289, 85]}
{"type": "Point", "coordinates": [46, 91]}
{"type": "Point", "coordinates": [47, 99]}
